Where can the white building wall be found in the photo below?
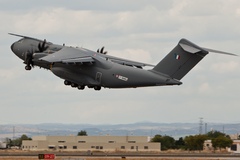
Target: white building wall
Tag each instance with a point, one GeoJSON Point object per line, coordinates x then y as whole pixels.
{"type": "Point", "coordinates": [93, 143]}
{"type": "Point", "coordinates": [237, 145]}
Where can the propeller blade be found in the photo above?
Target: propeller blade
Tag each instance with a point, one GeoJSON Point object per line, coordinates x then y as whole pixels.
{"type": "Point", "coordinates": [102, 49]}
{"type": "Point", "coordinates": [42, 46]}
{"type": "Point", "coordinates": [39, 47]}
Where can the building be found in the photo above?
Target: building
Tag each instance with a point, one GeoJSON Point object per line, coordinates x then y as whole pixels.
{"type": "Point", "coordinates": [207, 145]}
{"type": "Point", "coordinates": [92, 143]}
{"type": "Point", "coordinates": [3, 145]}
{"type": "Point", "coordinates": [235, 148]}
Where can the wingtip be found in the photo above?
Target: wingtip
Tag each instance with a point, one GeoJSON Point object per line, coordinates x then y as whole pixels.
{"type": "Point", "coordinates": [13, 34]}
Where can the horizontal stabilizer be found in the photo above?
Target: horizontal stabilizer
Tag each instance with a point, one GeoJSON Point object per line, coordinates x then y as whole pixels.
{"type": "Point", "coordinates": [221, 52]}
{"type": "Point", "coordinates": [190, 47]}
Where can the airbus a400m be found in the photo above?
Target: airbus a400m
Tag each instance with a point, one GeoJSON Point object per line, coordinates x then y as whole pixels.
{"type": "Point", "coordinates": [80, 67]}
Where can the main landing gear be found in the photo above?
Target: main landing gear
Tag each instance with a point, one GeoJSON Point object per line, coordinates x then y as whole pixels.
{"type": "Point", "coordinates": [80, 87]}
{"type": "Point", "coordinates": [97, 88]}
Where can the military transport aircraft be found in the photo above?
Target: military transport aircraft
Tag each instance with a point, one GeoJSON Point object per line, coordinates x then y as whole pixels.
{"type": "Point", "coordinates": [80, 67]}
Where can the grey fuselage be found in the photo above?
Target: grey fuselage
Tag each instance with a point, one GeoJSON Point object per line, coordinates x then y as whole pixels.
{"type": "Point", "coordinates": [101, 73]}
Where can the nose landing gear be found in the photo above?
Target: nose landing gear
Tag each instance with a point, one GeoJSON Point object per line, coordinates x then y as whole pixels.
{"type": "Point", "coordinates": [28, 61]}
{"type": "Point", "coordinates": [28, 68]}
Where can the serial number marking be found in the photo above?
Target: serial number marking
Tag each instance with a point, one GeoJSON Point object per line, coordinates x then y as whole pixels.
{"type": "Point", "coordinates": [122, 78]}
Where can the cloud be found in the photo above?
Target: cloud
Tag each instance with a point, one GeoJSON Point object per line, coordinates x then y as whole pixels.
{"type": "Point", "coordinates": [225, 67]}
{"type": "Point", "coordinates": [204, 88]}
{"type": "Point", "coordinates": [133, 54]}
{"type": "Point", "coordinates": [7, 75]}
{"type": "Point", "coordinates": [191, 8]}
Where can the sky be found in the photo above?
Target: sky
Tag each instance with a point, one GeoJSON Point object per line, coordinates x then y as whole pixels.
{"type": "Point", "coordinates": [140, 30]}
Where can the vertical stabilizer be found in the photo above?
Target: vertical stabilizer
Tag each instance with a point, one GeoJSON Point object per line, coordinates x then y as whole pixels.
{"type": "Point", "coordinates": [181, 59]}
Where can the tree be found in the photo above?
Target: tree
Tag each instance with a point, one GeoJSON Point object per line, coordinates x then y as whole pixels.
{"type": "Point", "coordinates": [180, 143]}
{"type": "Point", "coordinates": [215, 134]}
{"type": "Point", "coordinates": [221, 142]}
{"type": "Point", "coordinates": [18, 141]}
{"type": "Point", "coordinates": [195, 142]}
{"type": "Point", "coordinates": [82, 133]}
{"type": "Point", "coordinates": [167, 142]}
{"type": "Point", "coordinates": [156, 138]}
{"type": "Point", "coordinates": [8, 141]}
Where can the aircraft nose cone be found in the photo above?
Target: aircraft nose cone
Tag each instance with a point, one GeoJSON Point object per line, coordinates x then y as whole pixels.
{"type": "Point", "coordinates": [17, 51]}
{"type": "Point", "coordinates": [12, 47]}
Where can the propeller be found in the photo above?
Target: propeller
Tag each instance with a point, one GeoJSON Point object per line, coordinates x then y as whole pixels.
{"type": "Point", "coordinates": [102, 51]}
{"type": "Point", "coordinates": [42, 46]}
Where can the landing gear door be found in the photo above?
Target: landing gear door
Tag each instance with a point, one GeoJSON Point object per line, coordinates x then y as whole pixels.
{"type": "Point", "coordinates": [98, 77]}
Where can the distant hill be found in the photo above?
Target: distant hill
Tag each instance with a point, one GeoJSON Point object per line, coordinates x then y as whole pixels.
{"type": "Point", "coordinates": [142, 129]}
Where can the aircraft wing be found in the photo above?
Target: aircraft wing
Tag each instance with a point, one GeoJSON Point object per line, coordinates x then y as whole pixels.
{"type": "Point", "coordinates": [127, 62]}
{"type": "Point", "coordinates": [80, 55]}
{"type": "Point", "coordinates": [69, 55]}
{"type": "Point", "coordinates": [78, 60]}
{"type": "Point", "coordinates": [13, 34]}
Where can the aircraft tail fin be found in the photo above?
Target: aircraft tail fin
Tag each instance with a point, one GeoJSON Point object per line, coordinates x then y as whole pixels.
{"type": "Point", "coordinates": [182, 59]}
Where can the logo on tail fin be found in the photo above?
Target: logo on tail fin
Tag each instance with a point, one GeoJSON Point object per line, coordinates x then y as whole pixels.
{"type": "Point", "coordinates": [176, 56]}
